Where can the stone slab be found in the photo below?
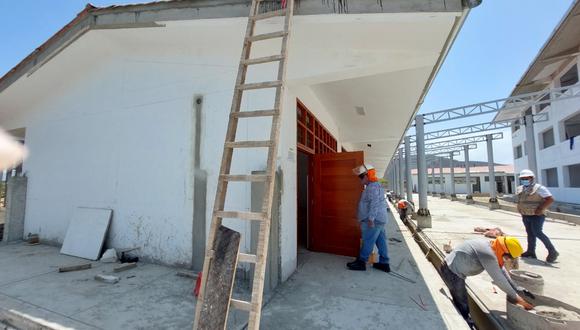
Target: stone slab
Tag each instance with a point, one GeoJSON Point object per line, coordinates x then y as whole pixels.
{"type": "Point", "coordinates": [86, 233]}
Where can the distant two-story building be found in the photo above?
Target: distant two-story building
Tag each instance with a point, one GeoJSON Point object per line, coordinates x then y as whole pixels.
{"type": "Point", "coordinates": [556, 139]}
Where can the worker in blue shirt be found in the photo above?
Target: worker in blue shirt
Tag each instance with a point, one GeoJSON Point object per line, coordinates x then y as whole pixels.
{"type": "Point", "coordinates": [372, 216]}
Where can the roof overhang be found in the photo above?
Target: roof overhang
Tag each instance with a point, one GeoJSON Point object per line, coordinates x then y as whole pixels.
{"type": "Point", "coordinates": [147, 15]}
{"type": "Point", "coordinates": [560, 48]}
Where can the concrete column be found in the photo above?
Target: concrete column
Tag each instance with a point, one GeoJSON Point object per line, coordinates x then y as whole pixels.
{"type": "Point", "coordinates": [433, 193]}
{"type": "Point", "coordinates": [493, 203]}
{"type": "Point", "coordinates": [469, 197]}
{"type": "Point", "coordinates": [396, 178]}
{"type": "Point", "coordinates": [453, 196]}
{"type": "Point", "coordinates": [531, 144]}
{"type": "Point", "coordinates": [401, 174]}
{"type": "Point", "coordinates": [423, 214]}
{"type": "Point", "coordinates": [441, 183]}
{"type": "Point", "coordinates": [15, 208]}
{"type": "Point", "coordinates": [408, 169]}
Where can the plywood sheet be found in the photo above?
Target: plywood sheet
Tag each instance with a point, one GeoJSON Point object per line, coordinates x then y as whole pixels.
{"type": "Point", "coordinates": [220, 280]}
{"type": "Point", "coordinates": [86, 233]}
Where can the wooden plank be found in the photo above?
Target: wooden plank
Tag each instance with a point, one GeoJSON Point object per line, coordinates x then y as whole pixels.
{"type": "Point", "coordinates": [125, 267]}
{"type": "Point", "coordinates": [257, 113]}
{"type": "Point", "coordinates": [260, 85]}
{"type": "Point", "coordinates": [241, 215]}
{"type": "Point", "coordinates": [219, 280]}
{"type": "Point", "coordinates": [249, 144]}
{"type": "Point", "coordinates": [73, 268]}
{"type": "Point", "coordinates": [262, 60]}
{"type": "Point", "coordinates": [269, 14]}
{"type": "Point", "coordinates": [266, 36]}
{"type": "Point", "coordinates": [249, 178]}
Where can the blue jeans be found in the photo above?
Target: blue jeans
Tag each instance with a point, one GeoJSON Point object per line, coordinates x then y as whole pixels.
{"type": "Point", "coordinates": [371, 236]}
{"type": "Point", "coordinates": [534, 225]}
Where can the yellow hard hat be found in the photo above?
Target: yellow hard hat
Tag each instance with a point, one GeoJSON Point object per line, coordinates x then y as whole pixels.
{"type": "Point", "coordinates": [513, 246]}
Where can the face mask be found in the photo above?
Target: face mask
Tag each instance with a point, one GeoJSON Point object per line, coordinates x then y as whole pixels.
{"type": "Point", "coordinates": [525, 182]}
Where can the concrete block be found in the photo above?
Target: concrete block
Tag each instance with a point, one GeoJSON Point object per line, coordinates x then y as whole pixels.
{"type": "Point", "coordinates": [15, 208]}
{"type": "Point", "coordinates": [424, 221]}
{"type": "Point", "coordinates": [494, 206]}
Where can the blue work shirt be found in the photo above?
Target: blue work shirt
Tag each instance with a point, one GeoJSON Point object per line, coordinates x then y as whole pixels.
{"type": "Point", "coordinates": [372, 204]}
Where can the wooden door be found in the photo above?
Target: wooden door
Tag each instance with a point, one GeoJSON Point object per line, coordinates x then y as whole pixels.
{"type": "Point", "coordinates": [333, 226]}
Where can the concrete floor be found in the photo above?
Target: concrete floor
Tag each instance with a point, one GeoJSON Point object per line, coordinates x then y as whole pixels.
{"type": "Point", "coordinates": [454, 221]}
{"type": "Point", "coordinates": [322, 294]}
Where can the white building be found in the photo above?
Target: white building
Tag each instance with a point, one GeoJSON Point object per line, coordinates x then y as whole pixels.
{"type": "Point", "coordinates": [556, 140]}
{"type": "Point", "coordinates": [479, 175]}
{"type": "Point", "coordinates": [108, 110]}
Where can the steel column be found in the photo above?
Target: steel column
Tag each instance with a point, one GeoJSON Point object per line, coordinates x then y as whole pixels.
{"type": "Point", "coordinates": [401, 174]}
{"type": "Point", "coordinates": [421, 165]}
{"type": "Point", "coordinates": [452, 174]}
{"type": "Point", "coordinates": [467, 172]}
{"type": "Point", "coordinates": [492, 185]}
{"type": "Point", "coordinates": [441, 184]}
{"type": "Point", "coordinates": [408, 169]}
{"type": "Point", "coordinates": [531, 144]}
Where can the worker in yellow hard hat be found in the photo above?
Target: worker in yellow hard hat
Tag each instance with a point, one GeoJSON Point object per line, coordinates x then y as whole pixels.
{"type": "Point", "coordinates": [473, 257]}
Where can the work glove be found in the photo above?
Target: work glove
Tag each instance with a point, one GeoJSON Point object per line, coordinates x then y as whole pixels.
{"type": "Point", "coordinates": [525, 292]}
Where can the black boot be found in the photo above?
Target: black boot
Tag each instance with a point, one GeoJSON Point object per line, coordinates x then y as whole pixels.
{"type": "Point", "coordinates": [552, 256]}
{"type": "Point", "coordinates": [383, 267]}
{"type": "Point", "coordinates": [357, 265]}
{"type": "Point", "coordinates": [352, 263]}
{"type": "Point", "coordinates": [529, 254]}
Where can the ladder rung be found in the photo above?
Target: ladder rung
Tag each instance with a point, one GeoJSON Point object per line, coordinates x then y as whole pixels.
{"type": "Point", "coordinates": [266, 36]}
{"type": "Point", "coordinates": [269, 14]}
{"type": "Point", "coordinates": [240, 304]}
{"type": "Point", "coordinates": [257, 113]}
{"type": "Point", "coordinates": [241, 215]}
{"type": "Point", "coordinates": [265, 59]}
{"type": "Point", "coordinates": [249, 144]}
{"type": "Point", "coordinates": [252, 258]}
{"type": "Point", "coordinates": [266, 84]}
{"type": "Point", "coordinates": [250, 178]}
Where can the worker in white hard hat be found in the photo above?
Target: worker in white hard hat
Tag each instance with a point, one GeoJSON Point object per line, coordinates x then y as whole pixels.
{"type": "Point", "coordinates": [372, 216]}
{"type": "Point", "coordinates": [533, 199]}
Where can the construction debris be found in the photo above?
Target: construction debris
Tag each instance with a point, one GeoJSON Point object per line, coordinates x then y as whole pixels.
{"type": "Point", "coordinates": [109, 256]}
{"type": "Point", "coordinates": [73, 268]}
{"type": "Point", "coordinates": [489, 232]}
{"type": "Point", "coordinates": [107, 278]}
{"type": "Point", "coordinates": [448, 247]}
{"type": "Point", "coordinates": [125, 267]}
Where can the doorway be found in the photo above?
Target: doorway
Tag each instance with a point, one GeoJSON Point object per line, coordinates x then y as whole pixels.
{"type": "Point", "coordinates": [303, 190]}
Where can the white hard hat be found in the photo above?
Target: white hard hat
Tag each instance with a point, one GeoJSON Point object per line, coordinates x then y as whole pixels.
{"type": "Point", "coordinates": [362, 169]}
{"type": "Point", "coordinates": [526, 173]}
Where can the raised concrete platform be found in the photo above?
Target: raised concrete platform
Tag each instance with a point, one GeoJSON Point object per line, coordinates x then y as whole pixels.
{"type": "Point", "coordinates": [321, 294]}
{"type": "Point", "coordinates": [455, 222]}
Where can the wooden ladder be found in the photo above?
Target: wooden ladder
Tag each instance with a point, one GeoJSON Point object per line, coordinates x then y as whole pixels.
{"type": "Point", "coordinates": [254, 306]}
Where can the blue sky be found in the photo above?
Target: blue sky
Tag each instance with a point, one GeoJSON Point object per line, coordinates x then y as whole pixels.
{"type": "Point", "coordinates": [498, 41]}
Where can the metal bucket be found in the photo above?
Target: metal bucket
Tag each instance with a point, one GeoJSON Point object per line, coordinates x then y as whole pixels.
{"type": "Point", "coordinates": [519, 318]}
{"type": "Point", "coordinates": [531, 281]}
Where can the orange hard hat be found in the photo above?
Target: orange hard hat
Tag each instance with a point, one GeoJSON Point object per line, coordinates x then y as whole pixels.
{"type": "Point", "coordinates": [402, 204]}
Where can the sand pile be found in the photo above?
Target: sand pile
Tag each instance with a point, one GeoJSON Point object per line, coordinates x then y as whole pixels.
{"type": "Point", "coordinates": [558, 313]}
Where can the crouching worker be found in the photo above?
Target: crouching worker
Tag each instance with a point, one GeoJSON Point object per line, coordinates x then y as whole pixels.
{"type": "Point", "coordinates": [405, 208]}
{"type": "Point", "coordinates": [372, 216]}
{"type": "Point", "coordinates": [473, 257]}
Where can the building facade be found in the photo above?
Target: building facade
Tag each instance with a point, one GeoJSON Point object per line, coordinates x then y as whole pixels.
{"type": "Point", "coordinates": [555, 140]}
